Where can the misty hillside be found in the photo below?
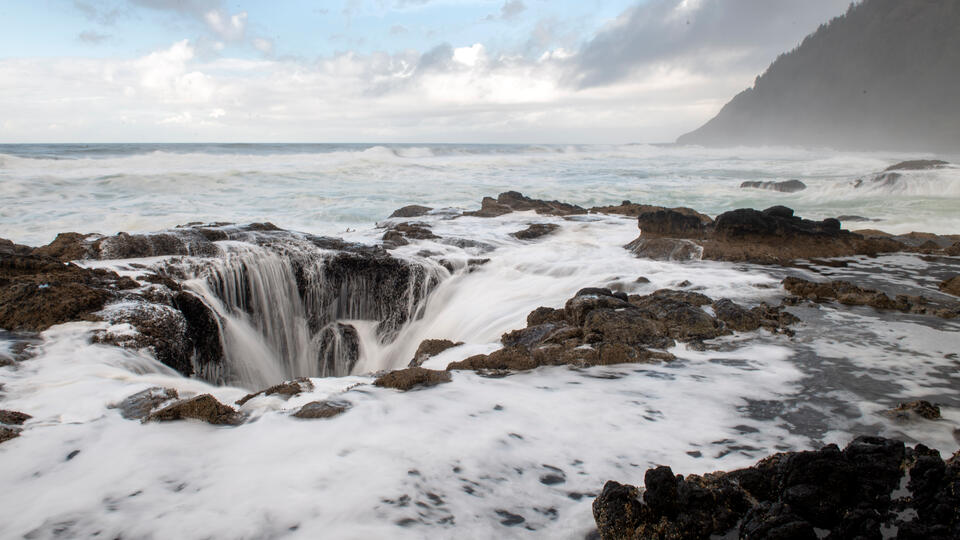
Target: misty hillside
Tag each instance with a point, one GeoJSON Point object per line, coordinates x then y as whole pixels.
{"type": "Point", "coordinates": [886, 75]}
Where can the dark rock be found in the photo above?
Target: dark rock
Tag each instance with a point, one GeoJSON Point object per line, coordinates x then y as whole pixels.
{"type": "Point", "coordinates": [617, 510]}
{"type": "Point", "coordinates": [627, 208]}
{"type": "Point", "coordinates": [406, 379]}
{"type": "Point", "coordinates": [665, 249]}
{"type": "Point", "coordinates": [951, 286]}
{"type": "Point", "coordinates": [9, 248]}
{"type": "Point", "coordinates": [853, 218]}
{"type": "Point", "coordinates": [69, 246]}
{"type": "Point", "coordinates": [953, 250]}
{"type": "Point", "coordinates": [917, 165]}
{"type": "Point", "coordinates": [340, 350]}
{"type": "Point", "coordinates": [322, 409]}
{"type": "Point", "coordinates": [203, 407]}
{"type": "Point", "coordinates": [905, 412]}
{"type": "Point", "coordinates": [400, 234]}
{"type": "Point", "coordinates": [138, 406]}
{"type": "Point", "coordinates": [429, 348]}
{"type": "Point", "coordinates": [736, 317]}
{"type": "Point", "coordinates": [849, 294]}
{"type": "Point", "coordinates": [13, 418]}
{"type": "Point", "coordinates": [512, 201]}
{"type": "Point", "coordinates": [8, 433]}
{"type": "Point", "coordinates": [673, 224]}
{"type": "Point", "coordinates": [787, 186]}
{"type": "Point", "coordinates": [413, 210]}
{"type": "Point", "coordinates": [535, 230]}
{"type": "Point", "coordinates": [285, 389]}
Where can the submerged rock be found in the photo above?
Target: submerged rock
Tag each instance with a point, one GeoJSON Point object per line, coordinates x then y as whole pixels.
{"type": "Point", "coordinates": [905, 412]}
{"type": "Point", "coordinates": [846, 494]}
{"type": "Point", "coordinates": [512, 201]}
{"type": "Point", "coordinates": [13, 418]}
{"type": "Point", "coordinates": [600, 327]}
{"type": "Point", "coordinates": [787, 186]}
{"type": "Point", "coordinates": [138, 406]}
{"type": "Point", "coordinates": [322, 409]}
{"type": "Point", "coordinates": [849, 294]}
{"type": "Point", "coordinates": [203, 407]}
{"type": "Point", "coordinates": [411, 377]}
{"type": "Point", "coordinates": [665, 249]}
{"type": "Point", "coordinates": [285, 389]}
{"type": "Point", "coordinates": [535, 230]}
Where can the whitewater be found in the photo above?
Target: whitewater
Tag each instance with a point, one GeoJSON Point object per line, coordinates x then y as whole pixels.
{"type": "Point", "coordinates": [480, 457]}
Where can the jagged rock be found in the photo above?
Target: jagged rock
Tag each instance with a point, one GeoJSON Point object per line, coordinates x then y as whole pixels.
{"type": "Point", "coordinates": [401, 233]}
{"type": "Point", "coordinates": [601, 327]}
{"type": "Point", "coordinates": [413, 210]}
{"type": "Point", "coordinates": [673, 224]}
{"type": "Point", "coordinates": [535, 230]}
{"type": "Point", "coordinates": [787, 186]}
{"type": "Point", "coordinates": [845, 494]}
{"type": "Point", "coordinates": [284, 389]}
{"type": "Point", "coordinates": [914, 409]}
{"type": "Point", "coordinates": [13, 418]}
{"type": "Point", "coordinates": [849, 294]}
{"type": "Point", "coordinates": [665, 249]}
{"type": "Point", "coordinates": [8, 433]}
{"type": "Point", "coordinates": [138, 406]}
{"type": "Point", "coordinates": [322, 409]}
{"type": "Point", "coordinates": [203, 407]}
{"type": "Point", "coordinates": [951, 286]}
{"type": "Point", "coordinates": [412, 377]}
{"type": "Point", "coordinates": [512, 201]}
{"type": "Point", "coordinates": [429, 348]}
{"type": "Point", "coordinates": [39, 292]}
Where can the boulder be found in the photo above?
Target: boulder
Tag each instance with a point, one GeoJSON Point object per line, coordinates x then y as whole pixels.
{"type": "Point", "coordinates": [413, 210]}
{"type": "Point", "coordinates": [535, 230]}
{"type": "Point", "coordinates": [412, 377]}
{"type": "Point", "coordinates": [322, 409]}
{"type": "Point", "coordinates": [138, 406]}
{"type": "Point", "coordinates": [204, 407]}
{"type": "Point", "coordinates": [429, 348]}
{"type": "Point", "coordinates": [787, 186]}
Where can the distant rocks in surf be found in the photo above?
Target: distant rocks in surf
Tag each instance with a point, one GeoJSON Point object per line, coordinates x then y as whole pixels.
{"type": "Point", "coordinates": [535, 230]}
{"type": "Point", "coordinates": [512, 201]}
{"type": "Point", "coordinates": [895, 176]}
{"type": "Point", "coordinates": [914, 410]}
{"type": "Point", "coordinates": [409, 211]}
{"type": "Point", "coordinates": [872, 485]}
{"type": "Point", "coordinates": [849, 294]}
{"type": "Point", "coordinates": [786, 186]}
{"type": "Point", "coordinates": [601, 327]}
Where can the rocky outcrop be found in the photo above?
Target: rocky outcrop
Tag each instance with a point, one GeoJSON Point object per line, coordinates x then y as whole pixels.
{"type": "Point", "coordinates": [851, 493]}
{"type": "Point", "coordinates": [951, 286]}
{"type": "Point", "coordinates": [322, 409]}
{"type": "Point", "coordinates": [601, 327]}
{"type": "Point", "coordinates": [409, 211]}
{"type": "Point", "coordinates": [673, 224]}
{"type": "Point", "coordinates": [787, 186]}
{"type": "Point", "coordinates": [429, 348]}
{"type": "Point", "coordinates": [411, 377]}
{"type": "Point", "coordinates": [512, 201]}
{"type": "Point", "coordinates": [204, 407]}
{"type": "Point", "coordinates": [630, 209]}
{"type": "Point", "coordinates": [400, 234]}
{"type": "Point", "coordinates": [38, 292]}
{"type": "Point", "coordinates": [849, 294]}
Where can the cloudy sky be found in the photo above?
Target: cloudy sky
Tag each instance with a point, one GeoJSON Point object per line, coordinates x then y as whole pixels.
{"type": "Point", "coordinates": [551, 71]}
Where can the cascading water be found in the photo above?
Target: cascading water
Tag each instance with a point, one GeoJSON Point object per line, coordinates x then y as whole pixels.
{"type": "Point", "coordinates": [290, 309]}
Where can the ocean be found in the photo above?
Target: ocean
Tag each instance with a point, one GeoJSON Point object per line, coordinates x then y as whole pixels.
{"type": "Point", "coordinates": [482, 456]}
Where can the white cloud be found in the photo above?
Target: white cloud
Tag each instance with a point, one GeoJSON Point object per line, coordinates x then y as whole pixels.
{"type": "Point", "coordinates": [263, 45]}
{"type": "Point", "coordinates": [228, 27]}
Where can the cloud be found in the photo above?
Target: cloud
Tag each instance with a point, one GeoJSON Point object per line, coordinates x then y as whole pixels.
{"type": "Point", "coordinates": [210, 13]}
{"type": "Point", "coordinates": [263, 45]}
{"type": "Point", "coordinates": [708, 35]}
{"type": "Point", "coordinates": [510, 10]}
{"type": "Point", "coordinates": [107, 17]}
{"type": "Point", "coordinates": [91, 37]}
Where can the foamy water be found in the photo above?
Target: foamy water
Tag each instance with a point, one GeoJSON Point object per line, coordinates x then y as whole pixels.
{"type": "Point", "coordinates": [470, 458]}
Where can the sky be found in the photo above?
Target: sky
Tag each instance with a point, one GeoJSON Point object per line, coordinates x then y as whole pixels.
{"type": "Point", "coordinates": [458, 71]}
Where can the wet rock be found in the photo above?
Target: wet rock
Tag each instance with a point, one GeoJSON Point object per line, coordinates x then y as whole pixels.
{"type": "Point", "coordinates": [138, 406]}
{"type": "Point", "coordinates": [845, 218]}
{"type": "Point", "coordinates": [845, 494]}
{"type": "Point", "coordinates": [13, 418]}
{"type": "Point", "coordinates": [951, 286]}
{"type": "Point", "coordinates": [7, 247]}
{"type": "Point", "coordinates": [8, 433]}
{"type": "Point", "coordinates": [340, 350]}
{"type": "Point", "coordinates": [322, 409]}
{"type": "Point", "coordinates": [512, 201]}
{"type": "Point", "coordinates": [849, 294]}
{"type": "Point", "coordinates": [627, 208]}
{"type": "Point", "coordinates": [953, 250]}
{"type": "Point", "coordinates": [39, 292]}
{"type": "Point", "coordinates": [70, 246]}
{"type": "Point", "coordinates": [413, 210]}
{"type": "Point", "coordinates": [400, 234]}
{"type": "Point", "coordinates": [917, 165]}
{"type": "Point", "coordinates": [203, 407]}
{"type": "Point", "coordinates": [905, 412]}
{"type": "Point", "coordinates": [787, 186]}
{"type": "Point", "coordinates": [285, 389]}
{"type": "Point", "coordinates": [412, 377]}
{"type": "Point", "coordinates": [665, 249]}
{"type": "Point", "coordinates": [429, 348]}
{"type": "Point", "coordinates": [535, 231]}
{"type": "Point", "coordinates": [673, 224]}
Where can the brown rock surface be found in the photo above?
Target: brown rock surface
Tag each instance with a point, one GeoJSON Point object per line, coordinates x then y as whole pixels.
{"type": "Point", "coordinates": [411, 377]}
{"type": "Point", "coordinates": [429, 348]}
{"type": "Point", "coordinates": [322, 409]}
{"type": "Point", "coordinates": [512, 201]}
{"type": "Point", "coordinates": [13, 418]}
{"type": "Point", "coordinates": [203, 407]}
{"type": "Point", "coordinates": [951, 286]}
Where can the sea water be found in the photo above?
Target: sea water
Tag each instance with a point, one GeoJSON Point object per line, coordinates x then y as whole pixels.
{"type": "Point", "coordinates": [479, 457]}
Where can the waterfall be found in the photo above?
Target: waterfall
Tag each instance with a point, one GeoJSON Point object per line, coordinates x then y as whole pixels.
{"type": "Point", "coordinates": [289, 309]}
